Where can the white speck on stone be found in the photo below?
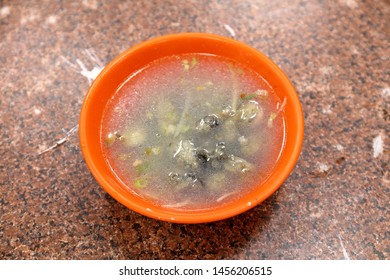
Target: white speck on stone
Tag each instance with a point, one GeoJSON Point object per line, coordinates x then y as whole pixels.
{"type": "Point", "coordinates": [29, 18]}
{"type": "Point", "coordinates": [130, 28]}
{"type": "Point", "coordinates": [92, 4]}
{"type": "Point", "coordinates": [385, 92]}
{"type": "Point", "coordinates": [5, 11]}
{"type": "Point", "coordinates": [349, 3]}
{"type": "Point", "coordinates": [230, 30]}
{"type": "Point", "coordinates": [37, 111]}
{"type": "Point", "coordinates": [42, 147]}
{"type": "Point", "coordinates": [249, 203]}
{"type": "Point", "coordinates": [327, 110]}
{"type": "Point", "coordinates": [385, 179]}
{"type": "Point", "coordinates": [316, 215]}
{"type": "Point", "coordinates": [323, 167]}
{"type": "Point", "coordinates": [355, 50]}
{"type": "Point", "coordinates": [326, 70]}
{"type": "Point", "coordinates": [52, 19]}
{"type": "Point", "coordinates": [339, 147]}
{"type": "Point", "coordinates": [377, 145]}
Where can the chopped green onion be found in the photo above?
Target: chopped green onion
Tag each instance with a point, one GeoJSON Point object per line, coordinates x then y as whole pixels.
{"type": "Point", "coordinates": [140, 183]}
{"type": "Point", "coordinates": [185, 128]}
{"type": "Point", "coordinates": [142, 168]}
{"type": "Point", "coordinates": [149, 115]}
{"type": "Point", "coordinates": [239, 71]}
{"type": "Point", "coordinates": [156, 150]}
{"type": "Point", "coordinates": [262, 93]}
{"type": "Point", "coordinates": [186, 65]}
{"type": "Point", "coordinates": [273, 116]}
{"type": "Point", "coordinates": [271, 119]}
{"type": "Point", "coordinates": [124, 157]}
{"type": "Point", "coordinates": [171, 116]}
{"type": "Point", "coordinates": [194, 62]}
{"type": "Point", "coordinates": [148, 150]}
{"type": "Point", "coordinates": [169, 129]}
{"type": "Point", "coordinates": [248, 96]}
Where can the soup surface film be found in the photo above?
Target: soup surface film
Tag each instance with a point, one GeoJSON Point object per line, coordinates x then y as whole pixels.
{"type": "Point", "coordinates": [193, 131]}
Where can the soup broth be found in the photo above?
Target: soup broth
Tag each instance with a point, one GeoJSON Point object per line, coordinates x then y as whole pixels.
{"type": "Point", "coordinates": [193, 131]}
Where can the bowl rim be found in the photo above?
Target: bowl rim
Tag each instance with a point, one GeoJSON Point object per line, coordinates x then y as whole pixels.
{"type": "Point", "coordinates": [188, 216]}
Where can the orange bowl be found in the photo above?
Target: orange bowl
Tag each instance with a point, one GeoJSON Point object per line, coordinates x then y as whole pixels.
{"type": "Point", "coordinates": [136, 58]}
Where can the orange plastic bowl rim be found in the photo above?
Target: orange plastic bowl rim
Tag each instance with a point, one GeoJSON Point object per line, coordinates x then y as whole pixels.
{"type": "Point", "coordinates": [136, 58]}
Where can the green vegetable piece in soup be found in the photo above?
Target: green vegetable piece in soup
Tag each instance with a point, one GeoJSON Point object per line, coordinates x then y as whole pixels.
{"type": "Point", "coordinates": [140, 183]}
{"type": "Point", "coordinates": [142, 168]}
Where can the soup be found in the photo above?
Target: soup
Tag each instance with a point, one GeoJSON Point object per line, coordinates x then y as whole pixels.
{"type": "Point", "coordinates": [193, 131]}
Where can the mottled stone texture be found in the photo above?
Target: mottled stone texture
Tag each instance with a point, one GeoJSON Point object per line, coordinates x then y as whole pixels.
{"type": "Point", "coordinates": [334, 205]}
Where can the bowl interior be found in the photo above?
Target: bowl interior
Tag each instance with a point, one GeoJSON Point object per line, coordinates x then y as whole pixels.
{"type": "Point", "coordinates": [107, 83]}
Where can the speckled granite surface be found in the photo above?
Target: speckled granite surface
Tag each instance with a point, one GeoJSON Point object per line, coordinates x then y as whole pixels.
{"type": "Point", "coordinates": [335, 204]}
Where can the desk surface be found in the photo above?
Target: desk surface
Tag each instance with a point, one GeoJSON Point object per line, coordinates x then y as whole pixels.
{"type": "Point", "coordinates": [335, 204]}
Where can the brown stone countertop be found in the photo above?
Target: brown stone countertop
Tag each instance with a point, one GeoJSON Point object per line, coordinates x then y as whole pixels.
{"type": "Point", "coordinates": [335, 204]}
